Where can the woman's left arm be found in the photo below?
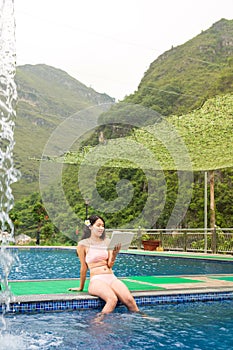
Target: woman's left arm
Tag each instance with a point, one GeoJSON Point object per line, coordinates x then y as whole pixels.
{"type": "Point", "coordinates": [112, 255]}
{"type": "Point", "coordinates": [81, 250]}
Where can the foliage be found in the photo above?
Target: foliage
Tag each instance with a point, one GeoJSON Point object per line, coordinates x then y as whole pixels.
{"type": "Point", "coordinates": [108, 177]}
{"type": "Point", "coordinates": [46, 97]}
{"type": "Point", "coordinates": [177, 82]}
{"type": "Point", "coordinates": [206, 135]}
{"type": "Point", "coordinates": [184, 77]}
{"type": "Point", "coordinates": [187, 84]}
{"type": "Point", "coordinates": [224, 243]}
{"type": "Point", "coordinates": [30, 217]}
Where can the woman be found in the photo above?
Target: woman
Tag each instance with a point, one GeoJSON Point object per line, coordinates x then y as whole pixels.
{"type": "Point", "coordinates": [94, 254]}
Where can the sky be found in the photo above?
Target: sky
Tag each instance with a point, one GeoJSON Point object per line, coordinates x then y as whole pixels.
{"type": "Point", "coordinates": [109, 44]}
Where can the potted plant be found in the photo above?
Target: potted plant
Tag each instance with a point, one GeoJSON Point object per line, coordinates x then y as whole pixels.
{"type": "Point", "coordinates": [150, 242]}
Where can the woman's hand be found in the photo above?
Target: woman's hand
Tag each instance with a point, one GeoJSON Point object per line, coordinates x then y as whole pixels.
{"type": "Point", "coordinates": [113, 255]}
{"type": "Point", "coordinates": [116, 250]}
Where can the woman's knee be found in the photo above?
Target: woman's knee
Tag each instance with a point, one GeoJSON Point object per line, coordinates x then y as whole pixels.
{"type": "Point", "coordinates": [105, 293]}
{"type": "Point", "coordinates": [110, 304]}
{"type": "Point", "coordinates": [112, 300]}
{"type": "Point", "coordinates": [130, 302]}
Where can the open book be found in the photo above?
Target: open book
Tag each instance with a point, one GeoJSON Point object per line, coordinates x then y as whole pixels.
{"type": "Point", "coordinates": [123, 238]}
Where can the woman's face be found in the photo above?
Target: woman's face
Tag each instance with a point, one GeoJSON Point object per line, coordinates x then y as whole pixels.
{"type": "Point", "coordinates": [97, 228]}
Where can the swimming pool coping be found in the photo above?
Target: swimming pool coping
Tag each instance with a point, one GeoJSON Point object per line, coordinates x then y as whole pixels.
{"type": "Point", "coordinates": [85, 295]}
{"type": "Point", "coordinates": [66, 302]}
{"type": "Point", "coordinates": [175, 254]}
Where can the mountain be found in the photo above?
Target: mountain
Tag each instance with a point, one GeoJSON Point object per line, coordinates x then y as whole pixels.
{"type": "Point", "coordinates": [177, 82]}
{"type": "Point", "coordinates": [184, 77]}
{"type": "Point", "coordinates": [46, 97]}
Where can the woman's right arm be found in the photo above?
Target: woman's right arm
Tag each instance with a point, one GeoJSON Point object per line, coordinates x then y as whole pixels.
{"type": "Point", "coordinates": [81, 251]}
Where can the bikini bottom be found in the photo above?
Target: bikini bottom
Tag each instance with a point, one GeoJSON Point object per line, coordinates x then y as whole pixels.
{"type": "Point", "coordinates": [108, 278]}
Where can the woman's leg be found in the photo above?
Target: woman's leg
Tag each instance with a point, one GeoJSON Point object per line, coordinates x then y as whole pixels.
{"type": "Point", "coordinates": [124, 295]}
{"type": "Point", "coordinates": [105, 292]}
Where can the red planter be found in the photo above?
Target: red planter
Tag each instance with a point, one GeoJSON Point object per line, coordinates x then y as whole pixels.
{"type": "Point", "coordinates": [151, 245]}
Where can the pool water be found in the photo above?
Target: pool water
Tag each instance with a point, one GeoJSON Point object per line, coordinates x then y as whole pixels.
{"type": "Point", "coordinates": [62, 263]}
{"type": "Point", "coordinates": [194, 326]}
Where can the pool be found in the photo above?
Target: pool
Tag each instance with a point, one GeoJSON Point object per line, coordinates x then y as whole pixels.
{"type": "Point", "coordinates": [170, 323]}
{"type": "Point", "coordinates": [63, 263]}
{"type": "Point", "coordinates": [191, 326]}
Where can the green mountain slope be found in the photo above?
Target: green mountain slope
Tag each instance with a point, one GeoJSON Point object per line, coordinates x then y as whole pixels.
{"type": "Point", "coordinates": [46, 97]}
{"type": "Point", "coordinates": [177, 82]}
{"type": "Point", "coordinates": [184, 77]}
{"type": "Point", "coordinates": [191, 85]}
{"type": "Point", "coordinates": [207, 133]}
{"type": "Point", "coordinates": [199, 140]}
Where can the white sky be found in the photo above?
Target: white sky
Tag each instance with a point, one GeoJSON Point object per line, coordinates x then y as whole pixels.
{"type": "Point", "coordinates": [109, 44]}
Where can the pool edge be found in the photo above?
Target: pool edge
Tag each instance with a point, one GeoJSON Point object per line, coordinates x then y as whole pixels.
{"type": "Point", "coordinates": [71, 302]}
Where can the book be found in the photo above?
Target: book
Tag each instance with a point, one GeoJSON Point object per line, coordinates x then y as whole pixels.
{"type": "Point", "coordinates": [123, 238]}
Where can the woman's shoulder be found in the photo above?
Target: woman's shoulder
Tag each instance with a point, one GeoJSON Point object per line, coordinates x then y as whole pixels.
{"type": "Point", "coordinates": [84, 242]}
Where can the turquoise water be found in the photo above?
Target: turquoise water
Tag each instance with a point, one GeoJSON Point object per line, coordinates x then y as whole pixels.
{"type": "Point", "coordinates": [54, 263]}
{"type": "Point", "coordinates": [194, 326]}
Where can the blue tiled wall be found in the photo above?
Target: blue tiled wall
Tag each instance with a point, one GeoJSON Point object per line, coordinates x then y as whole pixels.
{"type": "Point", "coordinates": [48, 306]}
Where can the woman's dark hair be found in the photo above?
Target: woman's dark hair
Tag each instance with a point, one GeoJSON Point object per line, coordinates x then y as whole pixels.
{"type": "Point", "coordinates": [87, 231]}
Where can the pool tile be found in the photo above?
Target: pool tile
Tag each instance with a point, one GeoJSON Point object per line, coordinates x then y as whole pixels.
{"type": "Point", "coordinates": [78, 304]}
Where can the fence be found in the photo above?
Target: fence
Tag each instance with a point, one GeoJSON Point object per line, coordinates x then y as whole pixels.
{"type": "Point", "coordinates": [217, 240]}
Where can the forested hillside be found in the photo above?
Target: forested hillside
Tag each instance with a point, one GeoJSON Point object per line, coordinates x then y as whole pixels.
{"type": "Point", "coordinates": [207, 134]}
{"type": "Point", "coordinates": [184, 77]}
{"type": "Point", "coordinates": [189, 87]}
{"type": "Point", "coordinates": [46, 97]}
{"type": "Point", "coordinates": [201, 113]}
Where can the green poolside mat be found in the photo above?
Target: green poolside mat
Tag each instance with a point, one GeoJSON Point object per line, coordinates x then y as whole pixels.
{"type": "Point", "coordinates": [223, 278]}
{"type": "Point", "coordinates": [134, 283]}
{"type": "Point", "coordinates": [139, 285]}
{"type": "Point", "coordinates": [46, 287]}
{"type": "Point", "coordinates": [164, 279]}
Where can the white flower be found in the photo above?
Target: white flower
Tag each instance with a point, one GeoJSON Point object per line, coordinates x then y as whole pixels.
{"type": "Point", "coordinates": [87, 223]}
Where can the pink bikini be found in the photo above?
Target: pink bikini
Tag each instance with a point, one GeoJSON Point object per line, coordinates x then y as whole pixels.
{"type": "Point", "coordinates": [96, 254]}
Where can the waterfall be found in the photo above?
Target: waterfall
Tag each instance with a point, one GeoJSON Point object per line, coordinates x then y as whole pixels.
{"type": "Point", "coordinates": [8, 174]}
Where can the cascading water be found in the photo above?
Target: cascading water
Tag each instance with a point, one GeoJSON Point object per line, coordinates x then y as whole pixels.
{"type": "Point", "coordinates": [8, 174]}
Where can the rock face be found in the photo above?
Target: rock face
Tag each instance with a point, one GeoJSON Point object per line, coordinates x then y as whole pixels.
{"type": "Point", "coordinates": [22, 239]}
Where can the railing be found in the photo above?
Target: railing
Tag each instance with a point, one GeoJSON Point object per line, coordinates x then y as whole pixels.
{"type": "Point", "coordinates": [217, 240]}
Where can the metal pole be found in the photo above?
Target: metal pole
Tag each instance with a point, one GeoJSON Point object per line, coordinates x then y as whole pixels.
{"type": "Point", "coordinates": [86, 210]}
{"type": "Point", "coordinates": [205, 213]}
{"type": "Point", "coordinates": [139, 238]}
{"type": "Point", "coordinates": [87, 202]}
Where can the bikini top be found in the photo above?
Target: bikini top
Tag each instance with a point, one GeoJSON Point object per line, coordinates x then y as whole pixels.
{"type": "Point", "coordinates": [96, 254]}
